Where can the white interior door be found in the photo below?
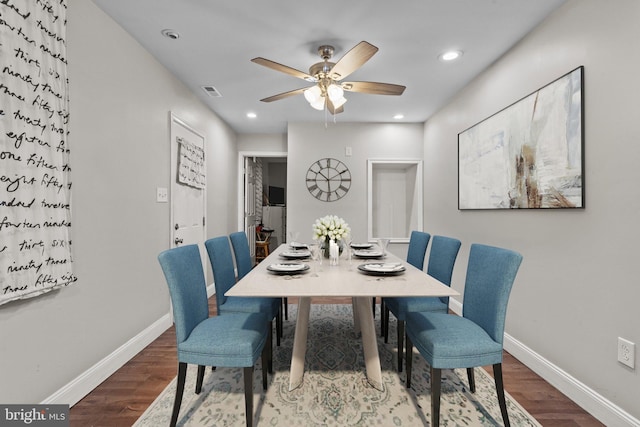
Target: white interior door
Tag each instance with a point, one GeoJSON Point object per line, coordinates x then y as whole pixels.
{"type": "Point", "coordinates": [250, 202]}
{"type": "Point", "coordinates": [188, 187]}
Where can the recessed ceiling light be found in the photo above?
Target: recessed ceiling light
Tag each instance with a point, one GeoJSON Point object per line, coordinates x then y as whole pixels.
{"type": "Point", "coordinates": [398, 116]}
{"type": "Point", "coordinates": [252, 115]}
{"type": "Point", "coordinates": [172, 34]}
{"type": "Point", "coordinates": [450, 55]}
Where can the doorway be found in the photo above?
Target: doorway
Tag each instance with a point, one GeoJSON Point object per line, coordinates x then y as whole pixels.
{"type": "Point", "coordinates": [262, 182]}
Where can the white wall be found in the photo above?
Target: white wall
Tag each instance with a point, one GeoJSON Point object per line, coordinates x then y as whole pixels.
{"type": "Point", "coordinates": [577, 290]}
{"type": "Point", "coordinates": [119, 140]}
{"type": "Point", "coordinates": [308, 142]}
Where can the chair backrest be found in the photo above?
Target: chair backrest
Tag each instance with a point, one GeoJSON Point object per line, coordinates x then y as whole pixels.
{"type": "Point", "coordinates": [418, 243]}
{"type": "Point", "coordinates": [442, 258]}
{"type": "Point", "coordinates": [221, 260]}
{"type": "Point", "coordinates": [242, 252]}
{"type": "Point", "coordinates": [182, 267]}
{"type": "Point", "coordinates": [491, 272]}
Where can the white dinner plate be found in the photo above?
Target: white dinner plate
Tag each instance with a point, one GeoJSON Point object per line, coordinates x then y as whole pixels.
{"type": "Point", "coordinates": [299, 254]}
{"type": "Point", "coordinates": [361, 245]}
{"type": "Point", "coordinates": [368, 253]}
{"type": "Point", "coordinates": [382, 269]}
{"type": "Point", "coordinates": [288, 268]}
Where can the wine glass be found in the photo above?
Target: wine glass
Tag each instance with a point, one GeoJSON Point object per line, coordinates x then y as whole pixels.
{"type": "Point", "coordinates": [347, 242]}
{"type": "Point", "coordinates": [383, 243]}
{"type": "Point", "coordinates": [293, 237]}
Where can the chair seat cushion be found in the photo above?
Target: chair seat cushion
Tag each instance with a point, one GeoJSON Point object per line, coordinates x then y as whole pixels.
{"type": "Point", "coordinates": [448, 341]}
{"type": "Point", "coordinates": [232, 340]}
{"type": "Point", "coordinates": [400, 306]}
{"type": "Point", "coordinates": [268, 306]}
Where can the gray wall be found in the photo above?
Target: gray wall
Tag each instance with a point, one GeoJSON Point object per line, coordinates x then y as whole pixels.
{"type": "Point", "coordinates": [577, 290]}
{"type": "Point", "coordinates": [120, 103]}
{"type": "Point", "coordinates": [308, 142]}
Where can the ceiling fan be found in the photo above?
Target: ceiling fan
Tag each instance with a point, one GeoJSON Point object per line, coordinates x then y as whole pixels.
{"type": "Point", "coordinates": [328, 92]}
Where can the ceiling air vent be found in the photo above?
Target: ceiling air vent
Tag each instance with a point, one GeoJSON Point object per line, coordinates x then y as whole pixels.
{"type": "Point", "coordinates": [212, 91]}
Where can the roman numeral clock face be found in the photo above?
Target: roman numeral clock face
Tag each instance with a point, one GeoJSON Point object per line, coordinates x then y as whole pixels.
{"type": "Point", "coordinates": [328, 180]}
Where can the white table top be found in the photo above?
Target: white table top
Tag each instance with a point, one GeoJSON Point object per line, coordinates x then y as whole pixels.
{"type": "Point", "coordinates": [344, 280]}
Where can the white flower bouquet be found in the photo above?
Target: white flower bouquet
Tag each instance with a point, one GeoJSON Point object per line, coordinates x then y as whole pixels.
{"type": "Point", "coordinates": [330, 227]}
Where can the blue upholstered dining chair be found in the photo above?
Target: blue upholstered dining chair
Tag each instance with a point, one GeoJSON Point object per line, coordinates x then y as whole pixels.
{"type": "Point", "coordinates": [224, 278]}
{"type": "Point", "coordinates": [418, 242]}
{"type": "Point", "coordinates": [233, 340]}
{"type": "Point", "coordinates": [244, 264]}
{"type": "Point", "coordinates": [449, 341]}
{"type": "Point", "coordinates": [442, 258]}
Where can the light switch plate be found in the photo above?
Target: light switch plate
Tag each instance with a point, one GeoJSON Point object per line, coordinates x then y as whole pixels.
{"type": "Point", "coordinates": [162, 195]}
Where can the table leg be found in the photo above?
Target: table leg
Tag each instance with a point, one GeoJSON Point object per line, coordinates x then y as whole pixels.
{"type": "Point", "coordinates": [369, 342]}
{"type": "Point", "coordinates": [299, 343]}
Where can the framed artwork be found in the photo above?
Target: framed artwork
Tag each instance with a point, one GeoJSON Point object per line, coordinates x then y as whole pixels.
{"type": "Point", "coordinates": [529, 155]}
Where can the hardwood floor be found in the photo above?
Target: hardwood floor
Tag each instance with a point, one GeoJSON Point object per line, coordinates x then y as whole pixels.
{"type": "Point", "coordinates": [126, 394]}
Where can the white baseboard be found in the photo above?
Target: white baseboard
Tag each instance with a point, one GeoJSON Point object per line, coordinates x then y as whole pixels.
{"type": "Point", "coordinates": [82, 385]}
{"type": "Point", "coordinates": [601, 408]}
{"type": "Point", "coordinates": [78, 388]}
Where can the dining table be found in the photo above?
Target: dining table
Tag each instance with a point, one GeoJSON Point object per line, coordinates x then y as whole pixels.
{"type": "Point", "coordinates": [361, 279]}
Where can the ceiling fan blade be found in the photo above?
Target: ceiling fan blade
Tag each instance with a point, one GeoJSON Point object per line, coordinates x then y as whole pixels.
{"type": "Point", "coordinates": [283, 69]}
{"type": "Point", "coordinates": [332, 109]}
{"type": "Point", "coordinates": [353, 60]}
{"type": "Point", "coordinates": [374, 88]}
{"type": "Point", "coordinates": [284, 95]}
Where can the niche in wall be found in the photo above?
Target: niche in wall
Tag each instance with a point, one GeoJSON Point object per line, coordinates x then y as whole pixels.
{"type": "Point", "coordinates": [394, 199]}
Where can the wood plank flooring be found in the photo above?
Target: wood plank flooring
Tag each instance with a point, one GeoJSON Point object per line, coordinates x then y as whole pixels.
{"type": "Point", "coordinates": [125, 395]}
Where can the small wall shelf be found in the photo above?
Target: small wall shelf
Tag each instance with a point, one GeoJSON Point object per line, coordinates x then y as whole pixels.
{"type": "Point", "coordinates": [394, 199]}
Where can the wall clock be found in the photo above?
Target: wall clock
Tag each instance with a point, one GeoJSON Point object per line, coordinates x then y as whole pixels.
{"type": "Point", "coordinates": [328, 179]}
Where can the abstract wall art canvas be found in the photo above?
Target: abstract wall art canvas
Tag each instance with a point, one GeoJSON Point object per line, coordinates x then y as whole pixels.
{"type": "Point", "coordinates": [529, 155]}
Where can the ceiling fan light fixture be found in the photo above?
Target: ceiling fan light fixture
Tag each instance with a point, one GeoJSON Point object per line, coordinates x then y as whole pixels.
{"type": "Point", "coordinates": [313, 94]}
{"type": "Point", "coordinates": [318, 104]}
{"type": "Point", "coordinates": [339, 102]}
{"type": "Point", "coordinates": [335, 93]}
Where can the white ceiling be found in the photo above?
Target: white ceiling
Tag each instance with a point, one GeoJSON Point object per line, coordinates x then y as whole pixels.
{"type": "Point", "coordinates": [218, 39]}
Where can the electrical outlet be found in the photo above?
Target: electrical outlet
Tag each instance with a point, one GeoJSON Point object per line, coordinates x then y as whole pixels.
{"type": "Point", "coordinates": [162, 195]}
{"type": "Point", "coordinates": [348, 151]}
{"type": "Point", "coordinates": [626, 352]}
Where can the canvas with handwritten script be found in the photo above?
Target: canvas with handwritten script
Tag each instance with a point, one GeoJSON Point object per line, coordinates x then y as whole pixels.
{"type": "Point", "coordinates": [35, 182]}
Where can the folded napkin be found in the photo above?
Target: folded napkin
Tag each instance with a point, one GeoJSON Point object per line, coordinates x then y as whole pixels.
{"type": "Point", "coordinates": [287, 267]}
{"type": "Point", "coordinates": [385, 267]}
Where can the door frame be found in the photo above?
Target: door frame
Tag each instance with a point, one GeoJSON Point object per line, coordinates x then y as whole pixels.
{"type": "Point", "coordinates": [241, 196]}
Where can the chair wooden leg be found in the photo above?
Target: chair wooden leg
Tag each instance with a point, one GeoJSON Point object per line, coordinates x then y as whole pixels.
{"type": "Point", "coordinates": [373, 306]}
{"type": "Point", "coordinates": [385, 319]}
{"type": "Point", "coordinates": [436, 376]}
{"type": "Point", "coordinates": [497, 374]}
{"type": "Point", "coordinates": [269, 345]}
{"type": "Point", "coordinates": [248, 395]}
{"type": "Point", "coordinates": [265, 363]}
{"type": "Point", "coordinates": [400, 328]}
{"type": "Point", "coordinates": [285, 304]}
{"type": "Point", "coordinates": [472, 380]}
{"type": "Point", "coordinates": [200, 377]}
{"type": "Point", "coordinates": [182, 374]}
{"type": "Point", "coordinates": [278, 327]}
{"type": "Point", "coordinates": [409, 360]}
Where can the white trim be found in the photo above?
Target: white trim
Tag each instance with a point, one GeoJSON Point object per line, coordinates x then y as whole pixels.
{"type": "Point", "coordinates": [588, 399]}
{"type": "Point", "coordinates": [82, 385]}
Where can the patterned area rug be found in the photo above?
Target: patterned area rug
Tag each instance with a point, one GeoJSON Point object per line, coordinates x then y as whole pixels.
{"type": "Point", "coordinates": [335, 390]}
